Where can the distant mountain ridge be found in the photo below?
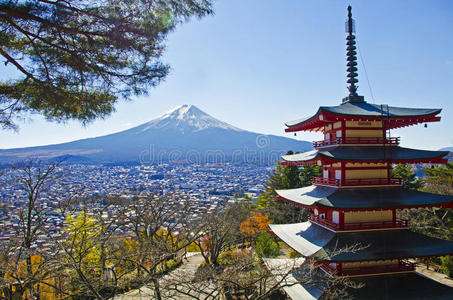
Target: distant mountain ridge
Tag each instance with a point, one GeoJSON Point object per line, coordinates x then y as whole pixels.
{"type": "Point", "coordinates": [184, 133]}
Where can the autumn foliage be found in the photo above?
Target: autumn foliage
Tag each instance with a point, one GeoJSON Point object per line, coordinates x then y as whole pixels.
{"type": "Point", "coordinates": [255, 224]}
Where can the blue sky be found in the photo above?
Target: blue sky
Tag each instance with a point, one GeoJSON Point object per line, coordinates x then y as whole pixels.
{"type": "Point", "coordinates": [258, 63]}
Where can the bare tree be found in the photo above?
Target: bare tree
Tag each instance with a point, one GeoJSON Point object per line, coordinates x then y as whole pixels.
{"type": "Point", "coordinates": [105, 246]}
{"type": "Point", "coordinates": [88, 249]}
{"type": "Point", "coordinates": [245, 276]}
{"type": "Point", "coordinates": [25, 262]}
{"type": "Point", "coordinates": [161, 228]}
{"type": "Point", "coordinates": [112, 244]}
{"type": "Point", "coordinates": [232, 268]}
{"type": "Point", "coordinates": [221, 230]}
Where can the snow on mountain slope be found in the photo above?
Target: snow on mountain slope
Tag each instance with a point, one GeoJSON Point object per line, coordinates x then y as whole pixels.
{"type": "Point", "coordinates": [184, 130]}
{"type": "Point", "coordinates": [186, 118]}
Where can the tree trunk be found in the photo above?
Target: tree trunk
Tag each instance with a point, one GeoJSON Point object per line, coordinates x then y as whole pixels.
{"type": "Point", "coordinates": [27, 243]}
{"type": "Point", "coordinates": [157, 289]}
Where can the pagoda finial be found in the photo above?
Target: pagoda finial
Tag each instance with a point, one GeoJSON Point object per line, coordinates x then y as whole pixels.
{"type": "Point", "coordinates": [351, 60]}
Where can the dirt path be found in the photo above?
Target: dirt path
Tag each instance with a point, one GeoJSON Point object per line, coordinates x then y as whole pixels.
{"type": "Point", "coordinates": [439, 277]}
{"type": "Point", "coordinates": [171, 283]}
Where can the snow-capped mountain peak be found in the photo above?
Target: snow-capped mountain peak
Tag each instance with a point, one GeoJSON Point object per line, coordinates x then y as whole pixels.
{"type": "Point", "coordinates": [184, 134]}
{"type": "Point", "coordinates": [187, 118]}
{"type": "Point", "coordinates": [182, 112]}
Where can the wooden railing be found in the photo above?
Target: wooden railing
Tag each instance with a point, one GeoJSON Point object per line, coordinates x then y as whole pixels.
{"type": "Point", "coordinates": [374, 225]}
{"type": "Point", "coordinates": [402, 266]}
{"type": "Point", "coordinates": [392, 141]}
{"type": "Point", "coordinates": [355, 182]}
{"type": "Point", "coordinates": [358, 226]}
{"type": "Point", "coordinates": [325, 181]}
{"type": "Point", "coordinates": [316, 219]}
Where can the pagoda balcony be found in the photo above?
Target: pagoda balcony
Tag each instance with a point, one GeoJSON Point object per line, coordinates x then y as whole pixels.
{"type": "Point", "coordinates": [398, 223]}
{"type": "Point", "coordinates": [402, 266]}
{"type": "Point", "coordinates": [391, 141]}
{"type": "Point", "coordinates": [345, 183]}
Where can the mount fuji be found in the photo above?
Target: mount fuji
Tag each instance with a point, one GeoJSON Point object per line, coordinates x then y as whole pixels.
{"type": "Point", "coordinates": [183, 134]}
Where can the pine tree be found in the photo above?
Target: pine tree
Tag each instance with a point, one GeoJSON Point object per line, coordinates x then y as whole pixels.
{"type": "Point", "coordinates": [76, 58]}
{"type": "Point", "coordinates": [285, 177]}
{"type": "Point", "coordinates": [439, 179]}
{"type": "Point", "coordinates": [407, 174]}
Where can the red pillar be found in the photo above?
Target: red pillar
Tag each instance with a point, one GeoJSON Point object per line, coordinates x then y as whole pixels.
{"type": "Point", "coordinates": [343, 172]}
{"type": "Point", "coordinates": [339, 269]}
{"type": "Point", "coordinates": [343, 130]}
{"type": "Point", "coordinates": [389, 170]}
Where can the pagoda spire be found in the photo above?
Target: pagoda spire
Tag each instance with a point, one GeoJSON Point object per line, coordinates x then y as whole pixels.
{"type": "Point", "coordinates": [351, 59]}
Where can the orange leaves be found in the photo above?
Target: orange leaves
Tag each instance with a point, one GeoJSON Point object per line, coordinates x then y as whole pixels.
{"type": "Point", "coordinates": [206, 243]}
{"type": "Point", "coordinates": [254, 224]}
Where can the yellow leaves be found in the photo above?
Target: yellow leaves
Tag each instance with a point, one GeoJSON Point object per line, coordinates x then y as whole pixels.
{"type": "Point", "coordinates": [39, 273]}
{"type": "Point", "coordinates": [82, 223]}
{"type": "Point", "coordinates": [254, 224]}
{"type": "Point", "coordinates": [193, 247]}
{"type": "Point", "coordinates": [83, 234]}
{"type": "Point", "coordinates": [167, 239]}
{"type": "Point", "coordinates": [21, 272]}
{"type": "Point", "coordinates": [130, 245]}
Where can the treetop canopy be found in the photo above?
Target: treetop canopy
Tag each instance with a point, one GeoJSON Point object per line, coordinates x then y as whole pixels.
{"type": "Point", "coordinates": [76, 58]}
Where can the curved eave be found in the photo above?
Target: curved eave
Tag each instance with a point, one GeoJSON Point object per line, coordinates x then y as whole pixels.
{"type": "Point", "coordinates": [306, 238]}
{"type": "Point", "coordinates": [324, 114]}
{"type": "Point", "coordinates": [287, 274]}
{"type": "Point", "coordinates": [306, 196]}
{"type": "Point", "coordinates": [311, 240]}
{"type": "Point", "coordinates": [367, 110]}
{"type": "Point", "coordinates": [400, 161]}
{"type": "Point", "coordinates": [382, 245]}
{"type": "Point", "coordinates": [410, 286]}
{"type": "Point", "coordinates": [313, 123]}
{"type": "Point", "coordinates": [362, 199]}
{"type": "Point", "coordinates": [371, 154]}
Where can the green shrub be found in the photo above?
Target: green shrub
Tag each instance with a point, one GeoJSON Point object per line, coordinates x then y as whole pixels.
{"type": "Point", "coordinates": [232, 247]}
{"type": "Point", "coordinates": [293, 253]}
{"type": "Point", "coordinates": [447, 265]}
{"type": "Point", "coordinates": [173, 263]}
{"type": "Point", "coordinates": [232, 257]}
{"type": "Point", "coordinates": [168, 265]}
{"type": "Point", "coordinates": [193, 247]}
{"type": "Point", "coordinates": [225, 258]}
{"type": "Point", "coordinates": [265, 246]}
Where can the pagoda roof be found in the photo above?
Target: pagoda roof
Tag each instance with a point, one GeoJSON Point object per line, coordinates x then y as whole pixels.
{"type": "Point", "coordinates": [360, 198]}
{"type": "Point", "coordinates": [324, 245]}
{"type": "Point", "coordinates": [388, 244]}
{"type": "Point", "coordinates": [365, 111]}
{"type": "Point", "coordinates": [306, 238]}
{"type": "Point", "coordinates": [410, 286]}
{"type": "Point", "coordinates": [286, 272]}
{"type": "Point", "coordinates": [393, 154]}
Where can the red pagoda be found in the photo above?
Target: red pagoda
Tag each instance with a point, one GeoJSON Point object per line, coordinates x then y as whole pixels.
{"type": "Point", "coordinates": [356, 200]}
